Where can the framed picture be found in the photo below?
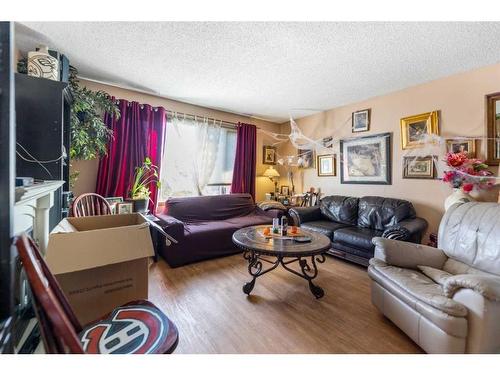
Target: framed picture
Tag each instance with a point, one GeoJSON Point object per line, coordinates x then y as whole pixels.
{"type": "Point", "coordinates": [493, 129]}
{"type": "Point", "coordinates": [366, 160]}
{"type": "Point", "coordinates": [361, 121]}
{"type": "Point", "coordinates": [124, 208]}
{"type": "Point", "coordinates": [326, 165]}
{"type": "Point", "coordinates": [306, 158]}
{"type": "Point", "coordinates": [419, 167]}
{"type": "Point", "coordinates": [413, 128]}
{"type": "Point", "coordinates": [328, 142]}
{"type": "Point", "coordinates": [459, 145]}
{"type": "Point", "coordinates": [269, 155]}
{"type": "Point", "coordinates": [113, 201]}
{"type": "Point", "coordinates": [285, 190]}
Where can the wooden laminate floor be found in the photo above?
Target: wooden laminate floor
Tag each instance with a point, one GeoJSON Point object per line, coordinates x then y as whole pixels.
{"type": "Point", "coordinates": [213, 315]}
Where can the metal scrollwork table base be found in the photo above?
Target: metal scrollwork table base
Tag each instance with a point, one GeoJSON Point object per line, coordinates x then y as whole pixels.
{"type": "Point", "coordinates": [259, 250]}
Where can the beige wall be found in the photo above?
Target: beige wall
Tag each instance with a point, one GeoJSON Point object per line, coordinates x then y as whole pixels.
{"type": "Point", "coordinates": [461, 102]}
{"type": "Point", "coordinates": [88, 169]}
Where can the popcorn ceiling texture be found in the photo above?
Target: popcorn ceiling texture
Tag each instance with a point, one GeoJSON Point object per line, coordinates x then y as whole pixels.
{"type": "Point", "coordinates": [268, 70]}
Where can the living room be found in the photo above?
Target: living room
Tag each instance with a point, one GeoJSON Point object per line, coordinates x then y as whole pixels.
{"type": "Point", "coordinates": [274, 187]}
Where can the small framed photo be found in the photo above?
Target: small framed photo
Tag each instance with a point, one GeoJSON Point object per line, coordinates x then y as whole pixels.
{"type": "Point", "coordinates": [326, 165]}
{"type": "Point", "coordinates": [419, 167]}
{"type": "Point", "coordinates": [361, 121]}
{"type": "Point", "coordinates": [269, 155]}
{"type": "Point", "coordinates": [113, 201]}
{"type": "Point", "coordinates": [285, 190]}
{"type": "Point", "coordinates": [124, 208]}
{"type": "Point", "coordinates": [414, 128]}
{"type": "Point", "coordinates": [305, 158]}
{"type": "Point", "coordinates": [461, 145]}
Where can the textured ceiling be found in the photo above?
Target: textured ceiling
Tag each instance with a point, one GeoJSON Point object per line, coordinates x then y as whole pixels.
{"type": "Point", "coordinates": [268, 70]}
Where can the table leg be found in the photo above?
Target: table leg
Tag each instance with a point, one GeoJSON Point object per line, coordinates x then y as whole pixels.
{"type": "Point", "coordinates": [308, 272]}
{"type": "Point", "coordinates": [255, 268]}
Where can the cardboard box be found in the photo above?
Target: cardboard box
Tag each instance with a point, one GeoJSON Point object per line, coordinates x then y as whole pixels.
{"type": "Point", "coordinates": [101, 262]}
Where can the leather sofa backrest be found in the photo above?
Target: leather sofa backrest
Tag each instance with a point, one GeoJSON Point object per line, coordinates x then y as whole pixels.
{"type": "Point", "coordinates": [381, 213]}
{"type": "Point", "coordinates": [340, 209]}
{"type": "Point", "coordinates": [470, 233]}
{"type": "Point", "coordinates": [209, 208]}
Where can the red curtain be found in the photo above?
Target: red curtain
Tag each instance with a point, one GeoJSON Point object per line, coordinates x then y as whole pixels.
{"type": "Point", "coordinates": [245, 160]}
{"type": "Point", "coordinates": [137, 134]}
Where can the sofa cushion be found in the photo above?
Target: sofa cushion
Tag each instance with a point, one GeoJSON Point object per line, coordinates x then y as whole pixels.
{"type": "Point", "coordinates": [418, 286]}
{"type": "Point", "coordinates": [436, 275]}
{"type": "Point", "coordinates": [470, 233]}
{"type": "Point", "coordinates": [381, 213]}
{"type": "Point", "coordinates": [209, 208]}
{"type": "Point", "coordinates": [455, 325]}
{"type": "Point", "coordinates": [356, 237]}
{"type": "Point", "coordinates": [456, 267]}
{"type": "Point", "coordinates": [340, 209]}
{"type": "Point", "coordinates": [323, 226]}
{"type": "Point", "coordinates": [249, 220]}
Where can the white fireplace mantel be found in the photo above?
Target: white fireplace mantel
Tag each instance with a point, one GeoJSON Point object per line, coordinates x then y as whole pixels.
{"type": "Point", "coordinates": [31, 210]}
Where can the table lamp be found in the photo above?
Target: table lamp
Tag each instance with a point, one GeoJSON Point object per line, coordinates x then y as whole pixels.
{"type": "Point", "coordinates": [272, 174]}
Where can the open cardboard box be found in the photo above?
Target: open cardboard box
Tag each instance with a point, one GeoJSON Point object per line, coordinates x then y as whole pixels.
{"type": "Point", "coordinates": [101, 262]}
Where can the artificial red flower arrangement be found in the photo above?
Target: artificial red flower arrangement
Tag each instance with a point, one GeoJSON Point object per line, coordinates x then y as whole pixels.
{"type": "Point", "coordinates": [467, 173]}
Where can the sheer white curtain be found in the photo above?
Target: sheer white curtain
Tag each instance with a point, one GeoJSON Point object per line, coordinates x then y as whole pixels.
{"type": "Point", "coordinates": [190, 156]}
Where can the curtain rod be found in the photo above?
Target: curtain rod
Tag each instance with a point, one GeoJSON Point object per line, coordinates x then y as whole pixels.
{"type": "Point", "coordinates": [227, 124]}
{"type": "Point", "coordinates": [170, 112]}
{"type": "Point", "coordinates": [230, 124]}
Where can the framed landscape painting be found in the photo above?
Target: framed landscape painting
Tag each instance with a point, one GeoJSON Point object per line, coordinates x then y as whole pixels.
{"type": "Point", "coordinates": [414, 128]}
{"type": "Point", "coordinates": [366, 160]}
{"type": "Point", "coordinates": [419, 167]}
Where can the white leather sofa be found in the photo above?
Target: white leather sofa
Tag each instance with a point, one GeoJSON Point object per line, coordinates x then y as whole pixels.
{"type": "Point", "coordinates": [448, 299]}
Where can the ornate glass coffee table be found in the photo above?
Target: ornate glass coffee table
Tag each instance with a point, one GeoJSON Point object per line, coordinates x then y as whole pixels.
{"type": "Point", "coordinates": [259, 249]}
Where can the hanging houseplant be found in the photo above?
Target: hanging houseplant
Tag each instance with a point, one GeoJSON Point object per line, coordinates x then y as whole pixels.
{"type": "Point", "coordinates": [139, 193]}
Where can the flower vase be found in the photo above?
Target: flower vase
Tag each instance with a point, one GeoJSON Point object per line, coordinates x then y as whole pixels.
{"type": "Point", "coordinates": [458, 196]}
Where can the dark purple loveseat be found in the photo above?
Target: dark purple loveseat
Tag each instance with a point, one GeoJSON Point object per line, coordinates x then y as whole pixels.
{"type": "Point", "coordinates": [204, 226]}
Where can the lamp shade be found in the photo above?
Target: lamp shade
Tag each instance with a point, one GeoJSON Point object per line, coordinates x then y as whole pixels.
{"type": "Point", "coordinates": [271, 172]}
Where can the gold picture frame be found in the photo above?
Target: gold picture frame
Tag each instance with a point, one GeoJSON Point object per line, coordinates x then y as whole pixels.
{"type": "Point", "coordinates": [419, 167]}
{"type": "Point", "coordinates": [458, 145]}
{"type": "Point", "coordinates": [326, 165]}
{"type": "Point", "coordinates": [413, 127]}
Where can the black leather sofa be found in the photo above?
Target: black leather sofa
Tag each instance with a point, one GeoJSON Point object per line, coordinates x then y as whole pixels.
{"type": "Point", "coordinates": [351, 223]}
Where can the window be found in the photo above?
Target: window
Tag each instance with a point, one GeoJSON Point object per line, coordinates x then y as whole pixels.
{"type": "Point", "coordinates": [198, 157]}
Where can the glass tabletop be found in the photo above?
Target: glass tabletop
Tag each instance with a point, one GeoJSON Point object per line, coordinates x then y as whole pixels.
{"type": "Point", "coordinates": [252, 238]}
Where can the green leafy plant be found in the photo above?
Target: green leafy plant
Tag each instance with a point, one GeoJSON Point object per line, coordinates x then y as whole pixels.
{"type": "Point", "coordinates": [89, 133]}
{"type": "Point", "coordinates": [144, 175]}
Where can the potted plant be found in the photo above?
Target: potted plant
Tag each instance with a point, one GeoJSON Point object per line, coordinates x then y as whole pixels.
{"type": "Point", "coordinates": [144, 175]}
{"type": "Point", "coordinates": [464, 175]}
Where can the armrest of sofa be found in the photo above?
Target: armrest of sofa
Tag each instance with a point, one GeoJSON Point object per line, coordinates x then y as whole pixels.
{"type": "Point", "coordinates": [304, 214]}
{"type": "Point", "coordinates": [485, 285]}
{"type": "Point", "coordinates": [408, 254]}
{"type": "Point", "coordinates": [273, 212]}
{"type": "Point", "coordinates": [171, 225]}
{"type": "Point", "coordinates": [410, 230]}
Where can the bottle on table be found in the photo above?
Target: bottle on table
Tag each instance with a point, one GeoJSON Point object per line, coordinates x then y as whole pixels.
{"type": "Point", "coordinates": [284, 225]}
